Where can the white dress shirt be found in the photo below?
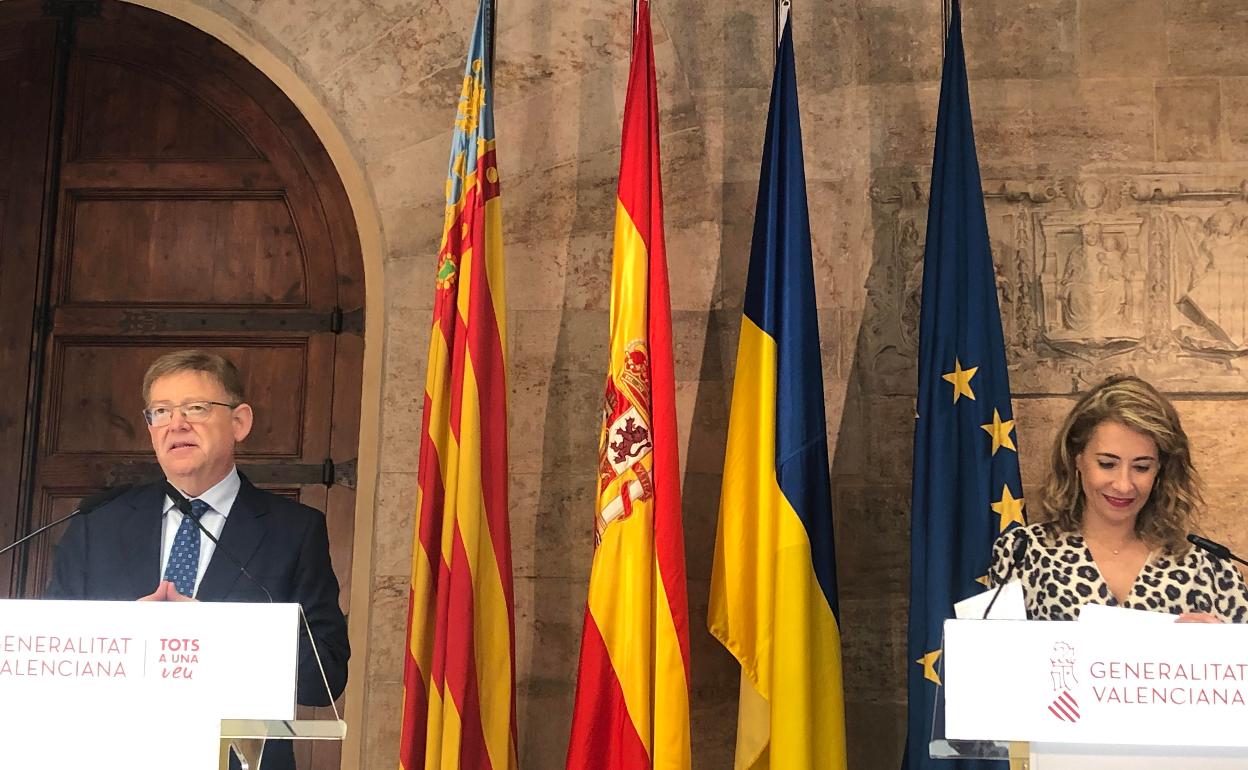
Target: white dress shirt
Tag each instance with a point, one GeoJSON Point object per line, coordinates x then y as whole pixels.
{"type": "Point", "coordinates": [220, 499]}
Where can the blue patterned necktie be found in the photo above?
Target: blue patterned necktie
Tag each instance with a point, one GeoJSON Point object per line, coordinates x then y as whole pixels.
{"type": "Point", "coordinates": [183, 566]}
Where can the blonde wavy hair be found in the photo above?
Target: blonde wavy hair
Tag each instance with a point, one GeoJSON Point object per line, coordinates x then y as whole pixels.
{"type": "Point", "coordinates": [1171, 508]}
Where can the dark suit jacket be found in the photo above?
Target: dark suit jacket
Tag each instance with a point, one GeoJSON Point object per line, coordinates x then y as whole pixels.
{"type": "Point", "coordinates": [113, 553]}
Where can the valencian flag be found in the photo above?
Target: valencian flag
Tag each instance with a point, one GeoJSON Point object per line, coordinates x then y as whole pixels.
{"type": "Point", "coordinates": [632, 690]}
{"type": "Point", "coordinates": [773, 586]}
{"type": "Point", "coordinates": [967, 488]}
{"type": "Point", "coordinates": [459, 676]}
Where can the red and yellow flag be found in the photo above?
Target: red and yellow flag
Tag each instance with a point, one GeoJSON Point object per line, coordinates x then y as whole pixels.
{"type": "Point", "coordinates": [459, 694]}
{"type": "Point", "coordinates": [632, 694]}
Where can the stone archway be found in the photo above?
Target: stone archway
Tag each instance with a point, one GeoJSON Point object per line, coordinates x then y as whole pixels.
{"type": "Point", "coordinates": [276, 66]}
{"type": "Point", "coordinates": [79, 326]}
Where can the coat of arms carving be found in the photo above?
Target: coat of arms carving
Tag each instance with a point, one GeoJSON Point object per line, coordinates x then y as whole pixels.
{"type": "Point", "coordinates": [1113, 273]}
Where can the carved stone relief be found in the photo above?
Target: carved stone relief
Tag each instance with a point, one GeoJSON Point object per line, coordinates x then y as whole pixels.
{"type": "Point", "coordinates": [1140, 274]}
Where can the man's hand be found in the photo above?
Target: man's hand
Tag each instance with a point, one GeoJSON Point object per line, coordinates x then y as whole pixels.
{"type": "Point", "coordinates": [161, 594]}
{"type": "Point", "coordinates": [165, 592]}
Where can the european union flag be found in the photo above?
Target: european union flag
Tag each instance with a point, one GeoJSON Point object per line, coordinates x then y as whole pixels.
{"type": "Point", "coordinates": [967, 488]}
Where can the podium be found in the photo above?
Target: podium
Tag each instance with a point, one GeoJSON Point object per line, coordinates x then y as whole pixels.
{"type": "Point", "coordinates": [1105, 694]}
{"type": "Point", "coordinates": [146, 685]}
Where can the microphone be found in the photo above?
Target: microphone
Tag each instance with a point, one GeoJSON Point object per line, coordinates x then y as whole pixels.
{"type": "Point", "coordinates": [184, 505]}
{"type": "Point", "coordinates": [86, 505]}
{"type": "Point", "coordinates": [1217, 550]}
{"type": "Point", "coordinates": [1020, 551]}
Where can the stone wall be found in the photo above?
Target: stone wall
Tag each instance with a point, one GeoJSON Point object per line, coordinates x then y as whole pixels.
{"type": "Point", "coordinates": [1113, 137]}
{"type": "Point", "coordinates": [1116, 191]}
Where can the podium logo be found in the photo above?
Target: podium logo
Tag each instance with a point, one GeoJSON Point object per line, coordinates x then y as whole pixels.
{"type": "Point", "coordinates": [1065, 707]}
{"type": "Point", "coordinates": [178, 658]}
{"type": "Point", "coordinates": [1062, 671]}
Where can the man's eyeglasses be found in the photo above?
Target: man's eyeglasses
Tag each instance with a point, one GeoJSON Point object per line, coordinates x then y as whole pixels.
{"type": "Point", "coordinates": [192, 411]}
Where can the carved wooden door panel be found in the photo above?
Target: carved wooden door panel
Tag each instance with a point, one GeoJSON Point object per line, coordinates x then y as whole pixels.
{"type": "Point", "coordinates": [189, 205]}
{"type": "Point", "coordinates": [27, 49]}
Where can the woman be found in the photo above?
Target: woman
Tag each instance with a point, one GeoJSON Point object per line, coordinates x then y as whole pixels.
{"type": "Point", "coordinates": [1116, 510]}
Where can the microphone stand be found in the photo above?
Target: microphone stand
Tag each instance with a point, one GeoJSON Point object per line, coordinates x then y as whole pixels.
{"type": "Point", "coordinates": [40, 531]}
{"type": "Point", "coordinates": [1020, 550]}
{"type": "Point", "coordinates": [86, 506]}
{"type": "Point", "coordinates": [184, 505]}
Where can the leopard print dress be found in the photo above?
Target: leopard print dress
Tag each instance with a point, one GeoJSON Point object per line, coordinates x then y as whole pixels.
{"type": "Point", "coordinates": [1059, 576]}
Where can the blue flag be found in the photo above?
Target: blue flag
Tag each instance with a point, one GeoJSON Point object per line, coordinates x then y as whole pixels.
{"type": "Point", "coordinates": [967, 488]}
{"type": "Point", "coordinates": [773, 584]}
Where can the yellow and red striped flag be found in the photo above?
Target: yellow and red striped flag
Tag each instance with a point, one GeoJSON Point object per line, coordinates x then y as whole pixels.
{"type": "Point", "coordinates": [459, 695]}
{"type": "Point", "coordinates": [632, 694]}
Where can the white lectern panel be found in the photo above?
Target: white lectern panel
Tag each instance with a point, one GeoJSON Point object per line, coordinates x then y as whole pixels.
{"type": "Point", "coordinates": [1173, 685]}
{"type": "Point", "coordinates": [81, 680]}
{"type": "Point", "coordinates": [1101, 695]}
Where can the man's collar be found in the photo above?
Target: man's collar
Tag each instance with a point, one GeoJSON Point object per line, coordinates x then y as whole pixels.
{"type": "Point", "coordinates": [220, 497]}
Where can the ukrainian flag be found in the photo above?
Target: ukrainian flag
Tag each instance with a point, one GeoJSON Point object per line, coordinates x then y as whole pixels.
{"type": "Point", "coordinates": [773, 588]}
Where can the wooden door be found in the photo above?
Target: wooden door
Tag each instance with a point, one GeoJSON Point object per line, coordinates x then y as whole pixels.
{"type": "Point", "coordinates": [188, 205]}
{"type": "Point", "coordinates": [27, 50]}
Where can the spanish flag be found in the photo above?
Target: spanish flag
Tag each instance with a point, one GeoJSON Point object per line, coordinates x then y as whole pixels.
{"type": "Point", "coordinates": [632, 694]}
{"type": "Point", "coordinates": [773, 585]}
{"type": "Point", "coordinates": [459, 677]}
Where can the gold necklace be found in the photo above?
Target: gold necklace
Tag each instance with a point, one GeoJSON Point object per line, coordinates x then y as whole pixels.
{"type": "Point", "coordinates": [1112, 550]}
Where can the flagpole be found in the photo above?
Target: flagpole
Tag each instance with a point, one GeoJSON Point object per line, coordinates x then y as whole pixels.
{"type": "Point", "coordinates": [775, 31]}
{"type": "Point", "coordinates": [779, 17]}
{"type": "Point", "coordinates": [944, 27]}
{"type": "Point", "coordinates": [491, 23]}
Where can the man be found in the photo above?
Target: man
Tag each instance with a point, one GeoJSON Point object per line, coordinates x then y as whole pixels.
{"type": "Point", "coordinates": [140, 546]}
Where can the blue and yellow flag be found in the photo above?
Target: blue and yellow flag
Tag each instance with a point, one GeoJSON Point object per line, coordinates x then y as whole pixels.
{"type": "Point", "coordinates": [967, 488]}
{"type": "Point", "coordinates": [773, 587]}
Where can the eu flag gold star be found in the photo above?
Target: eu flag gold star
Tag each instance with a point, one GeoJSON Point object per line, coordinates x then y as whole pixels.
{"type": "Point", "coordinates": [1000, 431]}
{"type": "Point", "coordinates": [961, 380]}
{"type": "Point", "coordinates": [1008, 507]}
{"type": "Point", "coordinates": [983, 580]}
{"type": "Point", "coordinates": [928, 662]}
